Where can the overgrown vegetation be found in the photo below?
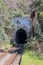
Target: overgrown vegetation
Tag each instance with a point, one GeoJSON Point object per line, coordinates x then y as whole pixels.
{"type": "Point", "coordinates": [33, 49]}
{"type": "Point", "coordinates": [30, 58]}
{"type": "Point", "coordinates": [33, 52]}
{"type": "Point", "coordinates": [7, 13]}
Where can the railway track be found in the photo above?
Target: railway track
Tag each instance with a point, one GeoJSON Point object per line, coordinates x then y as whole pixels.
{"type": "Point", "coordinates": [3, 53]}
{"type": "Point", "coordinates": [13, 56]}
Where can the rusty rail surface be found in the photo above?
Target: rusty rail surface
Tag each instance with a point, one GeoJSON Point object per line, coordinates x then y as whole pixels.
{"type": "Point", "coordinates": [9, 61]}
{"type": "Point", "coordinates": [12, 58]}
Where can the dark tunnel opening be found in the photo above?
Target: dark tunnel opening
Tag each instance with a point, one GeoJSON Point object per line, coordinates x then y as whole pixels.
{"type": "Point", "coordinates": [21, 36]}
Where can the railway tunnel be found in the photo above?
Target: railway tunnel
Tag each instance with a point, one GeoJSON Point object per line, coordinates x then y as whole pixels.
{"type": "Point", "coordinates": [22, 29]}
{"type": "Point", "coordinates": [21, 36]}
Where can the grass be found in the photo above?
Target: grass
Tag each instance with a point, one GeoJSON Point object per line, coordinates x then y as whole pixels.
{"type": "Point", "coordinates": [5, 46]}
{"type": "Point", "coordinates": [30, 58]}
{"type": "Point", "coordinates": [41, 14]}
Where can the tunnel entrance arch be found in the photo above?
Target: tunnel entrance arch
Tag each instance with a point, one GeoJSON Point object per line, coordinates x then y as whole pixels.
{"type": "Point", "coordinates": [21, 36]}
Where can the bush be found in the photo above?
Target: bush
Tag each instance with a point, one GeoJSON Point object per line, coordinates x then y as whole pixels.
{"type": "Point", "coordinates": [12, 42]}
{"type": "Point", "coordinates": [35, 44]}
{"type": "Point", "coordinates": [17, 13]}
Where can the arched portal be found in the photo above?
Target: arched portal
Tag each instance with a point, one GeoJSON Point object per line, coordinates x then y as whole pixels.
{"type": "Point", "coordinates": [21, 36]}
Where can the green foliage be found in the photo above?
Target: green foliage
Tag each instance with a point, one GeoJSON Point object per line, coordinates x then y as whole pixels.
{"type": "Point", "coordinates": [12, 42]}
{"type": "Point", "coordinates": [39, 38]}
{"type": "Point", "coordinates": [29, 58]}
{"type": "Point", "coordinates": [17, 14]}
{"type": "Point", "coordinates": [41, 15]}
{"type": "Point", "coordinates": [6, 45]}
{"type": "Point", "coordinates": [41, 26]}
